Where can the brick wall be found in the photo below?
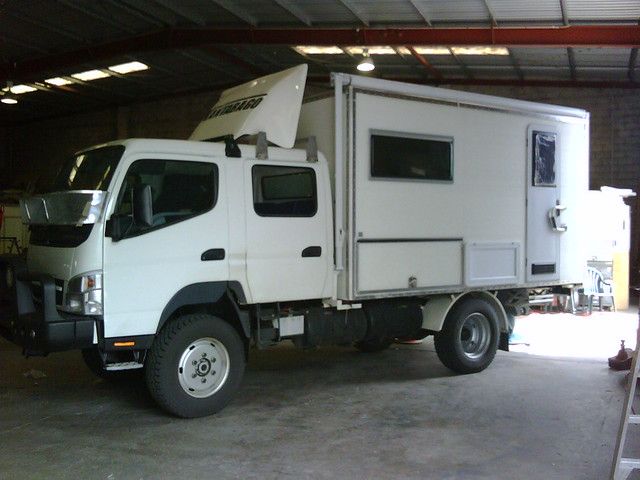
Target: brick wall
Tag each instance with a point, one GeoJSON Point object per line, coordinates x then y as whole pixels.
{"type": "Point", "coordinates": [37, 149]}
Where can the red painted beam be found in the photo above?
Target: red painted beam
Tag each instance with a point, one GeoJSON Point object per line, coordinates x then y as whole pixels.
{"type": "Point", "coordinates": [570, 36]}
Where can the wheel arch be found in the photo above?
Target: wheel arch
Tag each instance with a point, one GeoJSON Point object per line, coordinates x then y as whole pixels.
{"type": "Point", "coordinates": [437, 308]}
{"type": "Point", "coordinates": [219, 298]}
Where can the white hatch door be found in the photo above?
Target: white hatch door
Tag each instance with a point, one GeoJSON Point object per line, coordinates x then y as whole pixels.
{"type": "Point", "coordinates": [544, 204]}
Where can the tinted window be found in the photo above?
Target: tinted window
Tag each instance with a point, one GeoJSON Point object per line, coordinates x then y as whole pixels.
{"type": "Point", "coordinates": [412, 158]}
{"type": "Point", "coordinates": [284, 191]}
{"type": "Point", "coordinates": [544, 159]}
{"type": "Point", "coordinates": [90, 170]}
{"type": "Point", "coordinates": [180, 190]}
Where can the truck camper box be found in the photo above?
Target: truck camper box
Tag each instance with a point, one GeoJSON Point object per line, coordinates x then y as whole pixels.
{"type": "Point", "coordinates": [440, 191]}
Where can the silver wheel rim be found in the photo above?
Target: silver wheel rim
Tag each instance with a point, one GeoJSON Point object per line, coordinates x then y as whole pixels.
{"type": "Point", "coordinates": [204, 367]}
{"type": "Point", "coordinates": [475, 335]}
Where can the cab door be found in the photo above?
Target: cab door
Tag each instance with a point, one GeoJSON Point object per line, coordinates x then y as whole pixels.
{"type": "Point", "coordinates": [287, 240]}
{"type": "Point", "coordinates": [186, 243]}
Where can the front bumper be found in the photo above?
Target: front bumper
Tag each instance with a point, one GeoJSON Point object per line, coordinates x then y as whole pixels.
{"type": "Point", "coordinates": [29, 316]}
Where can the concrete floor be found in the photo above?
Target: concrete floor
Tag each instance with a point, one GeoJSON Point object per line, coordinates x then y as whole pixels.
{"type": "Point", "coordinates": [328, 413]}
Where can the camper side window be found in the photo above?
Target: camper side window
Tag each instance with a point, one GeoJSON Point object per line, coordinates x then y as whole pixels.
{"type": "Point", "coordinates": [284, 191]}
{"type": "Point", "coordinates": [411, 157]}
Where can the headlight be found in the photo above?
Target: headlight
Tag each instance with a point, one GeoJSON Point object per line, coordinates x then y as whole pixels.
{"type": "Point", "coordinates": [84, 294]}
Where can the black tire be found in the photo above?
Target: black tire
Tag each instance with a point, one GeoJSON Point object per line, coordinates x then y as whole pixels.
{"type": "Point", "coordinates": [93, 361]}
{"type": "Point", "coordinates": [469, 338]}
{"type": "Point", "coordinates": [373, 345]}
{"type": "Point", "coordinates": [172, 369]}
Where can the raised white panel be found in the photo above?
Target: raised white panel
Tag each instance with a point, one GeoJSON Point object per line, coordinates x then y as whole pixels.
{"type": "Point", "coordinates": [491, 263]}
{"type": "Point", "coordinates": [395, 265]}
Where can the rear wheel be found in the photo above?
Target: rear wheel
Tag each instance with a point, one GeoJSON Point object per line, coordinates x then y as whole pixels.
{"type": "Point", "coordinates": [469, 338]}
{"type": "Point", "coordinates": [195, 365]}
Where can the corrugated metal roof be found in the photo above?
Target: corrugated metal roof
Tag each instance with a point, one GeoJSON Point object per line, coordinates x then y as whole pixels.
{"type": "Point", "coordinates": [32, 29]}
{"type": "Point", "coordinates": [601, 10]}
{"type": "Point", "coordinates": [513, 10]}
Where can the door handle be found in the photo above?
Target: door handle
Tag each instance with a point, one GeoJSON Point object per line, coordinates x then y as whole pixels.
{"type": "Point", "coordinates": [213, 254]}
{"type": "Point", "coordinates": [553, 215]}
{"type": "Point", "coordinates": [314, 251]}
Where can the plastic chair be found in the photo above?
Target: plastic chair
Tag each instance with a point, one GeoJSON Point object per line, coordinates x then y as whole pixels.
{"type": "Point", "coordinates": [596, 287]}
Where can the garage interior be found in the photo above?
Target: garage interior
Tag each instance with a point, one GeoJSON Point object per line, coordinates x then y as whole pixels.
{"type": "Point", "coordinates": [76, 73]}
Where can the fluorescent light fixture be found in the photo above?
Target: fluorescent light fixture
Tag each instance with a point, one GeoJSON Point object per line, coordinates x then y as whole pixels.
{"type": "Point", "coordinates": [315, 50]}
{"type": "Point", "coordinates": [90, 75]}
{"type": "Point", "coordinates": [366, 65]}
{"type": "Point", "coordinates": [480, 50]}
{"type": "Point", "coordinates": [8, 100]}
{"type": "Point", "coordinates": [380, 50]}
{"type": "Point", "coordinates": [129, 67]}
{"type": "Point", "coordinates": [57, 81]}
{"type": "Point", "coordinates": [433, 50]}
{"type": "Point", "coordinates": [19, 89]}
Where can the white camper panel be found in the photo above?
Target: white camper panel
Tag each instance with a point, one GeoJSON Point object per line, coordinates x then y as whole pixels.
{"type": "Point", "coordinates": [488, 224]}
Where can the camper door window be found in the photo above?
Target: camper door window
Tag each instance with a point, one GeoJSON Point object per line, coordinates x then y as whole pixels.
{"type": "Point", "coordinates": [544, 159]}
{"type": "Point", "coordinates": [284, 191]}
{"type": "Point", "coordinates": [413, 157]}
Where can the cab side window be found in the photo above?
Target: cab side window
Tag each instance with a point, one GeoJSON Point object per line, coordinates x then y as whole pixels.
{"type": "Point", "coordinates": [284, 191]}
{"type": "Point", "coordinates": [180, 190]}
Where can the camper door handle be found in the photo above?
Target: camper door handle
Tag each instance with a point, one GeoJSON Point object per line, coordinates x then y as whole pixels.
{"type": "Point", "coordinates": [554, 217]}
{"type": "Point", "coordinates": [314, 251]}
{"type": "Point", "coordinates": [213, 254]}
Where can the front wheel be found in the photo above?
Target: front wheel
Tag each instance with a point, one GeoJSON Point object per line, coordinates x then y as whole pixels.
{"type": "Point", "coordinates": [469, 338]}
{"type": "Point", "coordinates": [195, 365]}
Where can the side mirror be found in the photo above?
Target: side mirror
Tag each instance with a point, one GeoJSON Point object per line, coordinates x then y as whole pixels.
{"type": "Point", "coordinates": [142, 203]}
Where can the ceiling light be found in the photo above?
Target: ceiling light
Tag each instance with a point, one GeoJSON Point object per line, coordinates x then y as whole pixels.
{"type": "Point", "coordinates": [433, 50]}
{"type": "Point", "coordinates": [19, 89]}
{"type": "Point", "coordinates": [57, 81]}
{"type": "Point", "coordinates": [366, 65]}
{"type": "Point", "coordinates": [129, 67]}
{"type": "Point", "coordinates": [8, 97]}
{"type": "Point", "coordinates": [480, 50]}
{"type": "Point", "coordinates": [315, 50]}
{"type": "Point", "coordinates": [380, 50]}
{"type": "Point", "coordinates": [90, 75]}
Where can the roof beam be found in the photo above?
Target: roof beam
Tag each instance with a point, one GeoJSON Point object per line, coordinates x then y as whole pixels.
{"type": "Point", "coordinates": [462, 65]}
{"type": "Point", "coordinates": [355, 11]}
{"type": "Point", "coordinates": [178, 9]}
{"type": "Point", "coordinates": [516, 65]}
{"type": "Point", "coordinates": [295, 11]}
{"type": "Point", "coordinates": [233, 60]}
{"type": "Point", "coordinates": [45, 26]}
{"type": "Point", "coordinates": [572, 63]}
{"type": "Point", "coordinates": [137, 13]}
{"type": "Point", "coordinates": [574, 35]}
{"type": "Point", "coordinates": [231, 7]}
{"type": "Point", "coordinates": [492, 17]}
{"type": "Point", "coordinates": [563, 9]}
{"type": "Point", "coordinates": [94, 15]}
{"type": "Point", "coordinates": [633, 60]}
{"type": "Point", "coordinates": [420, 8]}
{"type": "Point", "coordinates": [433, 71]}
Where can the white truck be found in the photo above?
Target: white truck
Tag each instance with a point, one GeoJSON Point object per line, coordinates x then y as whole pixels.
{"type": "Point", "coordinates": [405, 211]}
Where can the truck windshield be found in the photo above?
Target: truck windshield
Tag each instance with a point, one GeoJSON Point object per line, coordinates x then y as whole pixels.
{"type": "Point", "coordinates": [90, 170]}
